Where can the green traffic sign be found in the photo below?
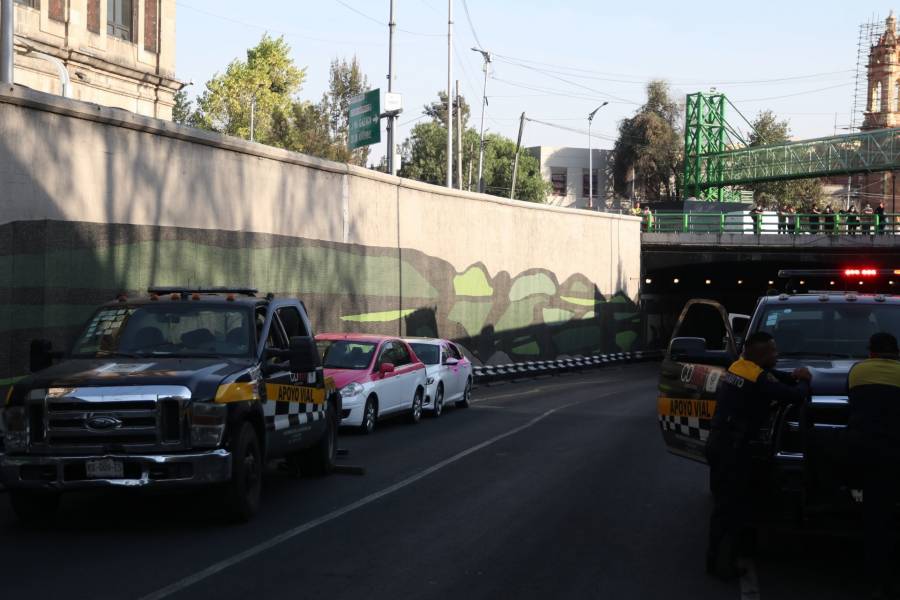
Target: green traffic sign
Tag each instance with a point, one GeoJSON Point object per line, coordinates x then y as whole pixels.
{"type": "Point", "coordinates": [365, 123]}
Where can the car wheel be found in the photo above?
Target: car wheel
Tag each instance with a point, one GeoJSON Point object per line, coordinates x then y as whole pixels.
{"type": "Point", "coordinates": [467, 393]}
{"type": "Point", "coordinates": [438, 408]}
{"type": "Point", "coordinates": [319, 460]}
{"type": "Point", "coordinates": [245, 488]}
{"type": "Point", "coordinates": [34, 507]}
{"type": "Point", "coordinates": [370, 417]}
{"type": "Point", "coordinates": [415, 413]}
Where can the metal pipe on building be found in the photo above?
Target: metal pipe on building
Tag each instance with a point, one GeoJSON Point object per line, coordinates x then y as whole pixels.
{"type": "Point", "coordinates": [7, 30]}
{"type": "Point", "coordinates": [63, 73]}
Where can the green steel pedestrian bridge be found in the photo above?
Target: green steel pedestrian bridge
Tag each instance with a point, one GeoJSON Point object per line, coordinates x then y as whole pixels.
{"type": "Point", "coordinates": [713, 162]}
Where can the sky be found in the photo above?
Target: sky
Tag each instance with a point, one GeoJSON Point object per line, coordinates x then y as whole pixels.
{"type": "Point", "coordinates": [557, 61]}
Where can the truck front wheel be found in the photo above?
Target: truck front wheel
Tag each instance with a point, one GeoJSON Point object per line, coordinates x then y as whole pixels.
{"type": "Point", "coordinates": [34, 507]}
{"type": "Point", "coordinates": [242, 493]}
{"type": "Point", "coordinates": [318, 460]}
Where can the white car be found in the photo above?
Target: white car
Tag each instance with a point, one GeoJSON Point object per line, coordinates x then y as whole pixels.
{"type": "Point", "coordinates": [449, 373]}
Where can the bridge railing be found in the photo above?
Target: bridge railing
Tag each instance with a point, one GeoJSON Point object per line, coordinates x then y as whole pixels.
{"type": "Point", "coordinates": [770, 223]}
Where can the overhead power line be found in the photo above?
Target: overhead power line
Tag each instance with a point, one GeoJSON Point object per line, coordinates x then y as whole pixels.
{"type": "Point", "coordinates": [364, 15]}
{"type": "Point", "coordinates": [472, 25]}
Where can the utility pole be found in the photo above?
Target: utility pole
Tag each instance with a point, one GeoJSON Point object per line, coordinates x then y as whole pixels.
{"type": "Point", "coordinates": [591, 158]}
{"type": "Point", "coordinates": [7, 29]}
{"type": "Point", "coordinates": [449, 93]}
{"type": "Point", "coordinates": [459, 134]}
{"type": "Point", "coordinates": [392, 168]}
{"type": "Point", "coordinates": [512, 191]}
{"type": "Point", "coordinates": [484, 102]}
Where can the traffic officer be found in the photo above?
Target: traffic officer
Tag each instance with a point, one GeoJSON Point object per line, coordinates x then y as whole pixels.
{"type": "Point", "coordinates": [875, 451]}
{"type": "Point", "coordinates": [743, 403]}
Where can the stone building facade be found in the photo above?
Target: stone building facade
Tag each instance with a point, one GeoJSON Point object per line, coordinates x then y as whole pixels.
{"type": "Point", "coordinates": [118, 53]}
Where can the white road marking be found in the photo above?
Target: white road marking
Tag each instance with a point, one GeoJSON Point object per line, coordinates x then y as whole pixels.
{"type": "Point", "coordinates": [531, 391]}
{"type": "Point", "coordinates": [749, 583]}
{"type": "Point", "coordinates": [220, 566]}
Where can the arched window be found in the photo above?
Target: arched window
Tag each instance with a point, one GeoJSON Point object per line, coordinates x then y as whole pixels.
{"type": "Point", "coordinates": [896, 105]}
{"type": "Point", "coordinates": [875, 101]}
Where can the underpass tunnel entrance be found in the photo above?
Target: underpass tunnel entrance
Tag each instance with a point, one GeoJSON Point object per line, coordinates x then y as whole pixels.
{"type": "Point", "coordinates": [738, 285]}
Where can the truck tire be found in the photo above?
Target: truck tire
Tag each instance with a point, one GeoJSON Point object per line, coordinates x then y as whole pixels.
{"type": "Point", "coordinates": [318, 460]}
{"type": "Point", "coordinates": [242, 493]}
{"type": "Point", "coordinates": [464, 401]}
{"type": "Point", "coordinates": [415, 412]}
{"type": "Point", "coordinates": [34, 507]}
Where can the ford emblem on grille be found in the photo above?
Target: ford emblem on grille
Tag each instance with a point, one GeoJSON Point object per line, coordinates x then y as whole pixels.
{"type": "Point", "coordinates": [103, 422]}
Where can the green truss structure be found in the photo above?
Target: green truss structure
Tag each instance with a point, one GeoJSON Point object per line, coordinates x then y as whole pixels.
{"type": "Point", "coordinates": [711, 166]}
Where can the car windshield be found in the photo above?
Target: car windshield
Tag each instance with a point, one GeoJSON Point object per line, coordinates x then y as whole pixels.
{"type": "Point", "coordinates": [427, 353]}
{"type": "Point", "coordinates": [167, 329]}
{"type": "Point", "coordinates": [829, 330]}
{"type": "Point", "coordinates": [346, 354]}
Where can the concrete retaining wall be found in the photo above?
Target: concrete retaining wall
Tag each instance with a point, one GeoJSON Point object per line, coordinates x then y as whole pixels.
{"type": "Point", "coordinates": [95, 200]}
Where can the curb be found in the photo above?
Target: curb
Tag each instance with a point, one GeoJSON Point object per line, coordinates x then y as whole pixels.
{"type": "Point", "coordinates": [490, 373]}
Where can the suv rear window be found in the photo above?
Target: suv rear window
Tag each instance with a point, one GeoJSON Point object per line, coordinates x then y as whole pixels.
{"type": "Point", "coordinates": [828, 330]}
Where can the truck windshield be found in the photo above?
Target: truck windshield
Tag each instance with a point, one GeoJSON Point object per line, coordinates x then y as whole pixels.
{"type": "Point", "coordinates": [346, 354]}
{"type": "Point", "coordinates": [427, 353]}
{"type": "Point", "coordinates": [167, 329]}
{"type": "Point", "coordinates": [828, 330]}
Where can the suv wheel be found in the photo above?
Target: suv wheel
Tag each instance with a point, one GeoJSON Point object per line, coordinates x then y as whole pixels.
{"type": "Point", "coordinates": [370, 417]}
{"type": "Point", "coordinates": [438, 408]}
{"type": "Point", "coordinates": [415, 413]}
{"type": "Point", "coordinates": [464, 401]}
{"type": "Point", "coordinates": [245, 488]}
{"type": "Point", "coordinates": [34, 507]}
{"type": "Point", "coordinates": [319, 459]}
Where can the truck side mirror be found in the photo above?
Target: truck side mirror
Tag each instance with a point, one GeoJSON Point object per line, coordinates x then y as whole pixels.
{"type": "Point", "coordinates": [41, 355]}
{"type": "Point", "coordinates": [304, 355]}
{"type": "Point", "coordinates": [687, 349]}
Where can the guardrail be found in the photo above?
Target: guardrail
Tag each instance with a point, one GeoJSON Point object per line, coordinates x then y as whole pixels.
{"type": "Point", "coordinates": [523, 370]}
{"type": "Point", "coordinates": [771, 223]}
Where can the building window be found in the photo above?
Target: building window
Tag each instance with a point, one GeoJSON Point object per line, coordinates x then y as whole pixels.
{"type": "Point", "coordinates": [875, 105]}
{"type": "Point", "coordinates": [558, 181]}
{"type": "Point", "coordinates": [36, 4]}
{"type": "Point", "coordinates": [120, 19]}
{"type": "Point", "coordinates": [93, 16]}
{"type": "Point", "coordinates": [151, 22]}
{"type": "Point", "coordinates": [585, 184]}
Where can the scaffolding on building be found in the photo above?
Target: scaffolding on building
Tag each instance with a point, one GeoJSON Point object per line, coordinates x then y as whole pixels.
{"type": "Point", "coordinates": [869, 34]}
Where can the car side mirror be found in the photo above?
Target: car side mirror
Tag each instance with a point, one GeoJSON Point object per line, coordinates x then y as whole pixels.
{"type": "Point", "coordinates": [451, 362]}
{"type": "Point", "coordinates": [386, 368]}
{"type": "Point", "coordinates": [41, 355]}
{"type": "Point", "coordinates": [687, 349]}
{"type": "Point", "coordinates": [304, 355]}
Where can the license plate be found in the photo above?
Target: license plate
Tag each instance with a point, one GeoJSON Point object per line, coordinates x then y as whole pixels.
{"type": "Point", "coordinates": [105, 468]}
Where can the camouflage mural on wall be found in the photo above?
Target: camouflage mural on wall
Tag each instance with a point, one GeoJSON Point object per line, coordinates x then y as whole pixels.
{"type": "Point", "coordinates": [53, 274]}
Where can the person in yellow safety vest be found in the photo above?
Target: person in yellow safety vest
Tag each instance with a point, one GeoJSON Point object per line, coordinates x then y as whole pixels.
{"type": "Point", "coordinates": [648, 219]}
{"type": "Point", "coordinates": [743, 404]}
{"type": "Point", "coordinates": [875, 452]}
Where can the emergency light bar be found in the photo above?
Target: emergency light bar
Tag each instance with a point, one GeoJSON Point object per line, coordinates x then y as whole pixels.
{"type": "Point", "coordinates": [853, 272]}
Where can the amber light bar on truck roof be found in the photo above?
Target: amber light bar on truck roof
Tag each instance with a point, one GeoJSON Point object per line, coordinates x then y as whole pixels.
{"type": "Point", "coordinates": [850, 272]}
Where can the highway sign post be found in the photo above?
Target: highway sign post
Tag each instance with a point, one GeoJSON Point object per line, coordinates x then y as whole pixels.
{"type": "Point", "coordinates": [365, 121]}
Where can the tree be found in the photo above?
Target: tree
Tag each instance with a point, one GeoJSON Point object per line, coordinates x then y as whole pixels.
{"type": "Point", "coordinates": [269, 77]}
{"type": "Point", "coordinates": [183, 109]}
{"type": "Point", "coordinates": [425, 157]}
{"type": "Point", "coordinates": [346, 81]}
{"type": "Point", "coordinates": [438, 110]}
{"type": "Point", "coordinates": [799, 193]}
{"type": "Point", "coordinates": [650, 143]}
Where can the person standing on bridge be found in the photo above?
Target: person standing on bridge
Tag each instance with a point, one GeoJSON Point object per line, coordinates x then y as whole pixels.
{"type": "Point", "coordinates": [829, 220]}
{"type": "Point", "coordinates": [814, 219]}
{"type": "Point", "coordinates": [879, 217]}
{"type": "Point", "coordinates": [852, 220]}
{"type": "Point", "coordinates": [875, 452]}
{"type": "Point", "coordinates": [743, 401]}
{"type": "Point", "coordinates": [868, 219]}
{"type": "Point", "coordinates": [792, 220]}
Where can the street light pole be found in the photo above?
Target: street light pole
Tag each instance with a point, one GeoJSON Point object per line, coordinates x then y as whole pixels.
{"type": "Point", "coordinates": [7, 31]}
{"type": "Point", "coordinates": [392, 168]}
{"type": "Point", "coordinates": [591, 158]}
{"type": "Point", "coordinates": [449, 93]}
{"type": "Point", "coordinates": [484, 101]}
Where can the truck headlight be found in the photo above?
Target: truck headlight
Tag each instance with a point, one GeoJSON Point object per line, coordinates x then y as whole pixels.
{"type": "Point", "coordinates": [208, 424]}
{"type": "Point", "coordinates": [350, 390]}
{"type": "Point", "coordinates": [15, 426]}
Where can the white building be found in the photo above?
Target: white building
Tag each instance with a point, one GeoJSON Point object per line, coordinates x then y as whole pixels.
{"type": "Point", "coordinates": [566, 170]}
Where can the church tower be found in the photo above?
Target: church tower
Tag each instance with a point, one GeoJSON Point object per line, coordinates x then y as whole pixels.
{"type": "Point", "coordinates": [883, 105]}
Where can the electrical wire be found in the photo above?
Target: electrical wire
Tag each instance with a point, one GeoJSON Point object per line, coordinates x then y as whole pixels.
{"type": "Point", "coordinates": [352, 8]}
{"type": "Point", "coordinates": [472, 25]}
{"type": "Point", "coordinates": [832, 87]}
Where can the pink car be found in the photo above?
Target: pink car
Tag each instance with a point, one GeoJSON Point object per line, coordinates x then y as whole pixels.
{"type": "Point", "coordinates": [377, 376]}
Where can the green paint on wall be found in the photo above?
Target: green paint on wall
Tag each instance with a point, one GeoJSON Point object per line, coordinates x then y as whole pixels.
{"type": "Point", "coordinates": [580, 301]}
{"type": "Point", "coordinates": [626, 339]}
{"type": "Point", "coordinates": [529, 349]}
{"type": "Point", "coordinates": [531, 285]}
{"type": "Point", "coordinates": [557, 315]}
{"type": "Point", "coordinates": [471, 315]}
{"type": "Point", "coordinates": [580, 339]}
{"type": "Point", "coordinates": [589, 315]}
{"type": "Point", "coordinates": [472, 283]}
{"type": "Point", "coordinates": [379, 317]}
{"type": "Point", "coordinates": [302, 269]}
{"type": "Point", "coordinates": [578, 287]}
{"type": "Point", "coordinates": [520, 314]}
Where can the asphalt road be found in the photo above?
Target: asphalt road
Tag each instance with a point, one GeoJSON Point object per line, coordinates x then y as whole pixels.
{"type": "Point", "coordinates": [551, 488]}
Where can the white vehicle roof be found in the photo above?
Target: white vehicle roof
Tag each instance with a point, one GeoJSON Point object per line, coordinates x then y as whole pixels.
{"type": "Point", "coordinates": [422, 340]}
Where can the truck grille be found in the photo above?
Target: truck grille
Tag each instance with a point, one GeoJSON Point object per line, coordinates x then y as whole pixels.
{"type": "Point", "coordinates": [117, 419]}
